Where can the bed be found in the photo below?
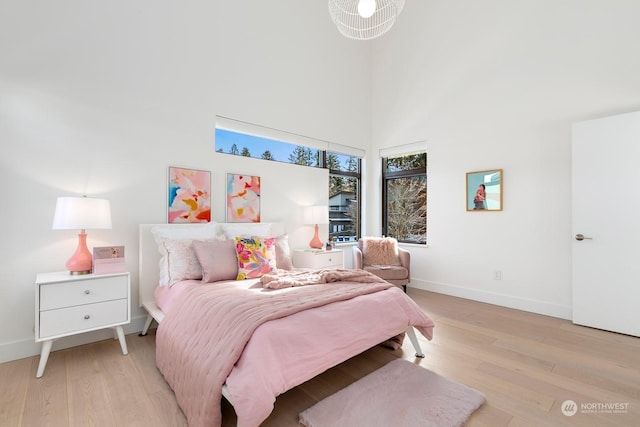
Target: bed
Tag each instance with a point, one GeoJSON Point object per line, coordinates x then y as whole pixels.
{"type": "Point", "coordinates": [239, 340]}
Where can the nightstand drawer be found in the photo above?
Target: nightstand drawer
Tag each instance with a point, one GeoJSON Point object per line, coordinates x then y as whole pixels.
{"type": "Point", "coordinates": [329, 259]}
{"type": "Point", "coordinates": [80, 292]}
{"type": "Point", "coordinates": [65, 321]}
{"type": "Point", "coordinates": [318, 259]}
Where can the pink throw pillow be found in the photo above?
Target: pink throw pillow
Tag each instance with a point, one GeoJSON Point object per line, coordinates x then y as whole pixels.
{"type": "Point", "coordinates": [380, 251]}
{"type": "Point", "coordinates": [218, 260]}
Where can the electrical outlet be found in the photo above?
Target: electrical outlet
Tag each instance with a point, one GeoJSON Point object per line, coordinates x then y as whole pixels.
{"type": "Point", "coordinates": [497, 275]}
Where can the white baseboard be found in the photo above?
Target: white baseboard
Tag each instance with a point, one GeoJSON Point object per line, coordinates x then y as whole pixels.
{"type": "Point", "coordinates": [534, 306]}
{"type": "Point", "coordinates": [28, 347]}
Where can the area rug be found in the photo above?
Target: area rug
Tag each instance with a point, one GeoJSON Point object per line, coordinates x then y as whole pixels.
{"type": "Point", "coordinates": [398, 394]}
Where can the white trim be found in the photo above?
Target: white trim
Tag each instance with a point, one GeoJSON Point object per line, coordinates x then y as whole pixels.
{"type": "Point", "coordinates": [509, 301]}
{"type": "Point", "coordinates": [404, 149]}
{"type": "Point", "coordinates": [234, 125]}
{"type": "Point", "coordinates": [347, 150]}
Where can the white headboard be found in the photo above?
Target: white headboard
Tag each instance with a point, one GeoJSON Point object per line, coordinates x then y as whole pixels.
{"type": "Point", "coordinates": [150, 258]}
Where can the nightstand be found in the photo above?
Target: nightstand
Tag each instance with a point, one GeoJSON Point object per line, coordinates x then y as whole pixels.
{"type": "Point", "coordinates": [307, 258]}
{"type": "Point", "coordinates": [72, 304]}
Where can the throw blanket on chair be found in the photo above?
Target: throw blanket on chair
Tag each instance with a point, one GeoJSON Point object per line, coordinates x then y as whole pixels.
{"type": "Point", "coordinates": [208, 326]}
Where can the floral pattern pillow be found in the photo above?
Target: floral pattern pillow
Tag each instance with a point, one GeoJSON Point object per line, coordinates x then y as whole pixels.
{"type": "Point", "coordinates": [256, 256]}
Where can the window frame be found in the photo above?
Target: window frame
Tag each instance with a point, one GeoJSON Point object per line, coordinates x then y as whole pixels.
{"type": "Point", "coordinates": [347, 174]}
{"type": "Point", "coordinates": [391, 175]}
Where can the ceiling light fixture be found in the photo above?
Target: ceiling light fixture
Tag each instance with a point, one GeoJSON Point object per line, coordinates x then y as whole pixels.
{"type": "Point", "coordinates": [364, 19]}
{"type": "Point", "coordinates": [366, 8]}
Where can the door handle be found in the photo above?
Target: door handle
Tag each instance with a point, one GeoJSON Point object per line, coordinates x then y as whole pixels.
{"type": "Point", "coordinates": [581, 237]}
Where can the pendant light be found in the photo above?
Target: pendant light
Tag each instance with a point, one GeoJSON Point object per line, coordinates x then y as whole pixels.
{"type": "Point", "coordinates": [364, 19]}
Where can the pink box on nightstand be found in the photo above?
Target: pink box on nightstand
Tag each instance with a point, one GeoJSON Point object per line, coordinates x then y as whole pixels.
{"type": "Point", "coordinates": [109, 259]}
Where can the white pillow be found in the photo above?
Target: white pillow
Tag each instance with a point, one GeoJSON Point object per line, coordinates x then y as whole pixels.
{"type": "Point", "coordinates": [283, 253]}
{"type": "Point", "coordinates": [181, 260]}
{"type": "Point", "coordinates": [259, 229]}
{"type": "Point", "coordinates": [206, 231]}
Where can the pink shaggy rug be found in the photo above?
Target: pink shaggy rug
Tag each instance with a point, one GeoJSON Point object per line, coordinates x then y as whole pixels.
{"type": "Point", "coordinates": [398, 394]}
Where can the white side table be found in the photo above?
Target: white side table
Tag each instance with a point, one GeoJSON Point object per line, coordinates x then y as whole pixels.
{"type": "Point", "coordinates": [72, 304]}
{"type": "Point", "coordinates": [307, 258]}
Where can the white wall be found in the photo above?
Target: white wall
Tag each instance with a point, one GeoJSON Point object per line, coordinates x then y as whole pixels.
{"type": "Point", "coordinates": [99, 98]}
{"type": "Point", "coordinates": [497, 84]}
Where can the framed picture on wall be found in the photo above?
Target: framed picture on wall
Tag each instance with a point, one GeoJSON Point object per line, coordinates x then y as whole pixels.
{"type": "Point", "coordinates": [189, 195]}
{"type": "Point", "coordinates": [484, 191]}
{"type": "Point", "coordinates": [243, 198]}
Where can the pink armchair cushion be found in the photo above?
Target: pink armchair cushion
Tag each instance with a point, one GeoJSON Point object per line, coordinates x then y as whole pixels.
{"type": "Point", "coordinates": [380, 251]}
{"type": "Point", "coordinates": [389, 273]}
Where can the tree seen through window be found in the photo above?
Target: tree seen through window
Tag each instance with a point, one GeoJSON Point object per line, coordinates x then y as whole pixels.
{"type": "Point", "coordinates": [405, 197]}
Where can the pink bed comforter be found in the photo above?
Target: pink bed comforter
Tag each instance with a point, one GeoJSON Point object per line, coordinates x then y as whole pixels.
{"type": "Point", "coordinates": [288, 336]}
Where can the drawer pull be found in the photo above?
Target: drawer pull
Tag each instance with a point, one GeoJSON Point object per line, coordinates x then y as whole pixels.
{"type": "Point", "coordinates": [87, 317]}
{"type": "Point", "coordinates": [87, 292]}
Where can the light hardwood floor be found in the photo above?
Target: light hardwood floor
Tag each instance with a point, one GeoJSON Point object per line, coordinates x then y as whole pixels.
{"type": "Point", "coordinates": [527, 365]}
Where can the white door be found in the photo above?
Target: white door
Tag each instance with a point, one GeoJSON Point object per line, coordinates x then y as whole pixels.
{"type": "Point", "coordinates": [606, 211]}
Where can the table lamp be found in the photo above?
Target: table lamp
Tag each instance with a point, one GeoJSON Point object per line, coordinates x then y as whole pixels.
{"type": "Point", "coordinates": [81, 213]}
{"type": "Point", "coordinates": [316, 215]}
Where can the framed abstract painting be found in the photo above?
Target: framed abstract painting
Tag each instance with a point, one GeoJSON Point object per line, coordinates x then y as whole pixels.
{"type": "Point", "coordinates": [189, 195]}
{"type": "Point", "coordinates": [243, 198]}
{"type": "Point", "coordinates": [484, 190]}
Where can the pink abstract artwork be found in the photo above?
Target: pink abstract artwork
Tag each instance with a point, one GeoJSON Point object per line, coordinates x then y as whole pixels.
{"type": "Point", "coordinates": [243, 198]}
{"type": "Point", "coordinates": [189, 195]}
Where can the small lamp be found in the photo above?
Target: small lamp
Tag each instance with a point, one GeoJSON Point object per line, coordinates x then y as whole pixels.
{"type": "Point", "coordinates": [316, 215]}
{"type": "Point", "coordinates": [81, 213]}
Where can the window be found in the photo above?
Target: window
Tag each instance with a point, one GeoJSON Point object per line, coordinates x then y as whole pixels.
{"type": "Point", "coordinates": [344, 171]}
{"type": "Point", "coordinates": [344, 196]}
{"type": "Point", "coordinates": [404, 198]}
{"type": "Point", "coordinates": [242, 144]}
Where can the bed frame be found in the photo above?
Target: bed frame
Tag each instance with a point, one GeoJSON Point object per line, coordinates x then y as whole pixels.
{"type": "Point", "coordinates": [149, 269]}
{"type": "Point", "coordinates": [149, 277]}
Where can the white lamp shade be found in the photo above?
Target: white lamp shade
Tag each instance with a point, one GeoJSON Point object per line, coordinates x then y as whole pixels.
{"type": "Point", "coordinates": [81, 213]}
{"type": "Point", "coordinates": [316, 215]}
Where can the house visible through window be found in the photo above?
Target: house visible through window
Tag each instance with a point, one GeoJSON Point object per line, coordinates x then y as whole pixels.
{"type": "Point", "coordinates": [344, 173]}
{"type": "Point", "coordinates": [404, 197]}
{"type": "Point", "coordinates": [344, 196]}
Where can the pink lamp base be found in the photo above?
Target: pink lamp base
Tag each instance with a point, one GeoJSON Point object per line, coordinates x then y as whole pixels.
{"type": "Point", "coordinates": [80, 262]}
{"type": "Point", "coordinates": [316, 243]}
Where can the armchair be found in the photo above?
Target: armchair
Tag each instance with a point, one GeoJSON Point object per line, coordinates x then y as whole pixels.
{"type": "Point", "coordinates": [382, 257]}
